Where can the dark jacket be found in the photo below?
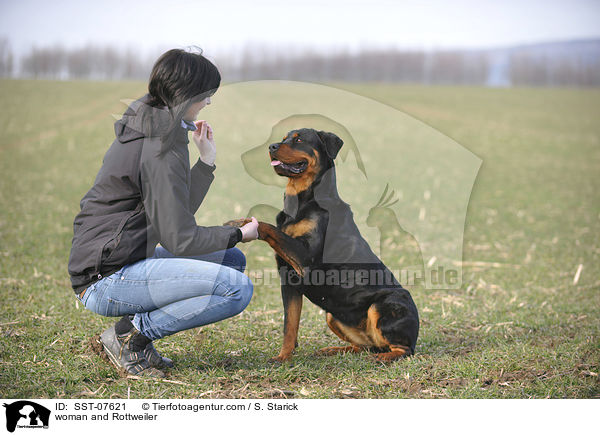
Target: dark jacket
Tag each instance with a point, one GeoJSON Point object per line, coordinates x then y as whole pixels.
{"type": "Point", "coordinates": [140, 199]}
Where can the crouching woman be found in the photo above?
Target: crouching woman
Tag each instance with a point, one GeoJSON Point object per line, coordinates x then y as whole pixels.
{"type": "Point", "coordinates": [137, 252]}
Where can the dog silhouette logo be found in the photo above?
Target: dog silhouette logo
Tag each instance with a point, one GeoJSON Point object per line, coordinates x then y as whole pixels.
{"type": "Point", "coordinates": [26, 414]}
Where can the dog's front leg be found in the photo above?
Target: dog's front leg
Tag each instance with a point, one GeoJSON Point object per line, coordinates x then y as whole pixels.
{"type": "Point", "coordinates": [292, 251]}
{"type": "Point", "coordinates": [292, 308]}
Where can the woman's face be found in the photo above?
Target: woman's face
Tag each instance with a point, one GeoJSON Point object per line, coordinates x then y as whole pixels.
{"type": "Point", "coordinates": [192, 112]}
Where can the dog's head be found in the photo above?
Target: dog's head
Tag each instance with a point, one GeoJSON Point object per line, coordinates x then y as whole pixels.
{"type": "Point", "coordinates": [304, 154]}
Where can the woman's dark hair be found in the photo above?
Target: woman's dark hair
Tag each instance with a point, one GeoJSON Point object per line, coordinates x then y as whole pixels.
{"type": "Point", "coordinates": [178, 79]}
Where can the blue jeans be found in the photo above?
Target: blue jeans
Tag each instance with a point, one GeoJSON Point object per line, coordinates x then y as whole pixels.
{"type": "Point", "coordinates": [168, 294]}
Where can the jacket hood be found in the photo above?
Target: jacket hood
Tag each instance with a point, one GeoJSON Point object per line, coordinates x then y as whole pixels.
{"type": "Point", "coordinates": [142, 120]}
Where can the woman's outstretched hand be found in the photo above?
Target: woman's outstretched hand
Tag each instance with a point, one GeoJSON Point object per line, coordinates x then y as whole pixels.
{"type": "Point", "coordinates": [204, 140]}
{"type": "Point", "coordinates": [250, 230]}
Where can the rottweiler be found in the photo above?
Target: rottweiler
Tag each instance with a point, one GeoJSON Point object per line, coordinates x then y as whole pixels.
{"type": "Point", "coordinates": [321, 254]}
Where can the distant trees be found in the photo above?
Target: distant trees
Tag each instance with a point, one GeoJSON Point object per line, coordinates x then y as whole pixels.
{"type": "Point", "coordinates": [88, 62]}
{"type": "Point", "coordinates": [6, 58]}
{"type": "Point", "coordinates": [547, 70]}
{"type": "Point", "coordinates": [44, 62]}
{"type": "Point", "coordinates": [559, 64]}
{"type": "Point", "coordinates": [544, 65]}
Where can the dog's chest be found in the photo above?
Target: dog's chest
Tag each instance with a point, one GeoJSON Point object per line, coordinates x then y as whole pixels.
{"type": "Point", "coordinates": [299, 228]}
{"type": "Point", "coordinates": [302, 223]}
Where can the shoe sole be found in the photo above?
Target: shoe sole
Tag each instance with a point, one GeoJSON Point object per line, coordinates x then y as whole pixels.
{"type": "Point", "coordinates": [101, 350]}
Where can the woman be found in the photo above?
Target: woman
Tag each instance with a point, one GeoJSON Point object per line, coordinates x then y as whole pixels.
{"type": "Point", "coordinates": [146, 193]}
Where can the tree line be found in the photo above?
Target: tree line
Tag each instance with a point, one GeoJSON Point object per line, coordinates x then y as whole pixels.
{"type": "Point", "coordinates": [550, 66]}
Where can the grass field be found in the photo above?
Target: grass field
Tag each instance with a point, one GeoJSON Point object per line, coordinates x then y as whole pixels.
{"type": "Point", "coordinates": [517, 331]}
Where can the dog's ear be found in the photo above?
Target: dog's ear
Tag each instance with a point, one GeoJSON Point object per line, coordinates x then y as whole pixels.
{"type": "Point", "coordinates": [332, 143]}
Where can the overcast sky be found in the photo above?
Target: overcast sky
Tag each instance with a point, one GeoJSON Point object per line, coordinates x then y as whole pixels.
{"type": "Point", "coordinates": [152, 25]}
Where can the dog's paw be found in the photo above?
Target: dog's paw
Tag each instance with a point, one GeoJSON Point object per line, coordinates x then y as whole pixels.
{"type": "Point", "coordinates": [280, 359]}
{"type": "Point", "coordinates": [238, 223]}
{"type": "Point", "coordinates": [383, 358]}
{"type": "Point", "coordinates": [397, 352]}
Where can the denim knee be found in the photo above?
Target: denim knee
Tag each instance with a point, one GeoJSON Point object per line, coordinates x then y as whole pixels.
{"type": "Point", "coordinates": [236, 259]}
{"type": "Point", "coordinates": [241, 293]}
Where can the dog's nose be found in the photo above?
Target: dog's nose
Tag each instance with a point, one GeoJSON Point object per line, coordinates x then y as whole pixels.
{"type": "Point", "coordinates": [273, 147]}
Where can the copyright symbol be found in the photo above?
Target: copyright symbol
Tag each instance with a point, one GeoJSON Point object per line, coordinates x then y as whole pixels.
{"type": "Point", "coordinates": [145, 406]}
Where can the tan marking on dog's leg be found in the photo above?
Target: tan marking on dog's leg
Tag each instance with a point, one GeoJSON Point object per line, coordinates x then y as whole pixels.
{"type": "Point", "coordinates": [353, 335]}
{"type": "Point", "coordinates": [332, 350]}
{"type": "Point", "coordinates": [273, 237]}
{"type": "Point", "coordinates": [290, 329]}
{"type": "Point", "coordinates": [372, 328]}
{"type": "Point", "coordinates": [238, 223]}
{"type": "Point", "coordinates": [395, 351]}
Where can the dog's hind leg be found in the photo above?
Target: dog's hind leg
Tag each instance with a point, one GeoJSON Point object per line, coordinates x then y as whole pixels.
{"type": "Point", "coordinates": [355, 336]}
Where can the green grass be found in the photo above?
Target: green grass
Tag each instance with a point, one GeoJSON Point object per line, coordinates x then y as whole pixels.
{"type": "Point", "coordinates": [506, 333]}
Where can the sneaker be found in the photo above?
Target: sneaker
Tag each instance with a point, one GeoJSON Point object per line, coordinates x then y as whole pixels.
{"type": "Point", "coordinates": [155, 359]}
{"type": "Point", "coordinates": [122, 351]}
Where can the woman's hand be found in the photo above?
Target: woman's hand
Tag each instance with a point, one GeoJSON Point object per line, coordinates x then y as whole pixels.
{"type": "Point", "coordinates": [248, 226]}
{"type": "Point", "coordinates": [250, 230]}
{"type": "Point", "coordinates": [204, 140]}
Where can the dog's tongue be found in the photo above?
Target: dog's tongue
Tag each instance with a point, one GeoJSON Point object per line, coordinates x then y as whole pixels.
{"type": "Point", "coordinates": [275, 162]}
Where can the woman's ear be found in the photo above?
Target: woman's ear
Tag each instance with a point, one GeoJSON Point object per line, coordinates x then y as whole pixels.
{"type": "Point", "coordinates": [332, 143]}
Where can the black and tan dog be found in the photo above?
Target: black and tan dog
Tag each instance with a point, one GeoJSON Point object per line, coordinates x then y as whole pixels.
{"type": "Point", "coordinates": [321, 254]}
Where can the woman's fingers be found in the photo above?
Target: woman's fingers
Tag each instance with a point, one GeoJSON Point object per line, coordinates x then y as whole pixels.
{"type": "Point", "coordinates": [200, 128]}
{"type": "Point", "coordinates": [204, 129]}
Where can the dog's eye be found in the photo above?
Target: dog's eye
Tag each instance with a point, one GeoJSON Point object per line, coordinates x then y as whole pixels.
{"type": "Point", "coordinates": [298, 140]}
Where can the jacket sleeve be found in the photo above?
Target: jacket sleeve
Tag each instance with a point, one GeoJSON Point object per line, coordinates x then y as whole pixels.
{"type": "Point", "coordinates": [166, 197]}
{"type": "Point", "coordinates": [202, 177]}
